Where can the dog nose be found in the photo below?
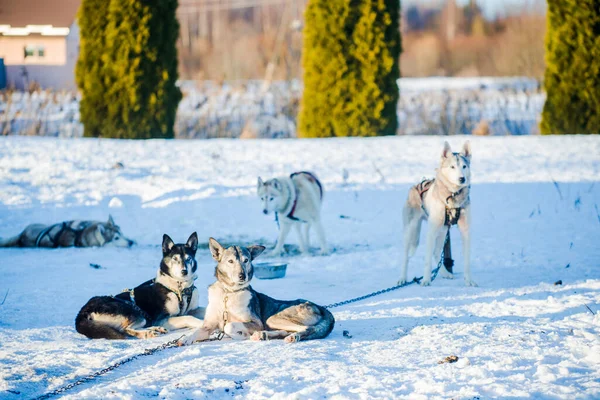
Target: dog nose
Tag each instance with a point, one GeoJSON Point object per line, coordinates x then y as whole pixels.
{"type": "Point", "coordinates": [130, 243]}
{"type": "Point", "coordinates": [265, 211]}
{"type": "Point", "coordinates": [242, 276]}
{"type": "Point", "coordinates": [461, 180]}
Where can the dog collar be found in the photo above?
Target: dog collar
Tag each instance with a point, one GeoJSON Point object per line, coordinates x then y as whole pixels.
{"type": "Point", "coordinates": [230, 290]}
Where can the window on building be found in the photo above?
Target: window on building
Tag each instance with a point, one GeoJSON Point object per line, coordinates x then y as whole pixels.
{"type": "Point", "coordinates": [34, 51]}
{"type": "Point", "coordinates": [29, 51]}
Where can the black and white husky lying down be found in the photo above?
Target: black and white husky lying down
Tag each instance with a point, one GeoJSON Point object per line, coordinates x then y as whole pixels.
{"type": "Point", "coordinates": [168, 302]}
{"type": "Point", "coordinates": [241, 312]}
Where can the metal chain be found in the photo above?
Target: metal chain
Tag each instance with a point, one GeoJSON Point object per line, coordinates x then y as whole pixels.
{"type": "Point", "coordinates": [90, 377]}
{"type": "Point", "coordinates": [391, 289]}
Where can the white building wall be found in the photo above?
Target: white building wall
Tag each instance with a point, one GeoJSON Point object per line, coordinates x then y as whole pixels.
{"type": "Point", "coordinates": [54, 71]}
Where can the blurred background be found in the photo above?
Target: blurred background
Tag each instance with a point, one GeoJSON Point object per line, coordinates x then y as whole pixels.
{"type": "Point", "coordinates": [240, 67]}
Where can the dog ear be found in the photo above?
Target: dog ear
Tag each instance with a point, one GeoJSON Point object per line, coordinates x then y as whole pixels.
{"type": "Point", "coordinates": [192, 242]}
{"type": "Point", "coordinates": [259, 183]}
{"type": "Point", "coordinates": [215, 249]}
{"type": "Point", "coordinates": [447, 150]}
{"type": "Point", "coordinates": [111, 221]}
{"type": "Point", "coordinates": [167, 244]}
{"type": "Point", "coordinates": [466, 150]}
{"type": "Point", "coordinates": [255, 250]}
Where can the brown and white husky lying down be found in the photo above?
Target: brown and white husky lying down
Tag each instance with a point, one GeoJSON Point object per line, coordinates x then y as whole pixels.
{"type": "Point", "coordinates": [239, 311]}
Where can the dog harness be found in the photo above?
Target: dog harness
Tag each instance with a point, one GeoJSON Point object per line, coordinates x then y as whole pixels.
{"type": "Point", "coordinates": [64, 226]}
{"type": "Point", "coordinates": [181, 294]}
{"type": "Point", "coordinates": [311, 178]}
{"type": "Point", "coordinates": [452, 213]}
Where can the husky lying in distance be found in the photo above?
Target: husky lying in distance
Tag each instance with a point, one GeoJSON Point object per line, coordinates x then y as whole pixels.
{"type": "Point", "coordinates": [168, 302]}
{"type": "Point", "coordinates": [69, 234]}
{"type": "Point", "coordinates": [296, 201]}
{"type": "Point", "coordinates": [239, 311]}
{"type": "Point", "coordinates": [443, 201]}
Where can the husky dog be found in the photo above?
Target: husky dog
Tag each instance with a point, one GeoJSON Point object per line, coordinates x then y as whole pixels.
{"type": "Point", "coordinates": [239, 311]}
{"type": "Point", "coordinates": [70, 233]}
{"type": "Point", "coordinates": [168, 302]}
{"type": "Point", "coordinates": [443, 201]}
{"type": "Point", "coordinates": [296, 201]}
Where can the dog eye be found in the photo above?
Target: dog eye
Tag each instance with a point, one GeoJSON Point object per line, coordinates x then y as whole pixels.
{"type": "Point", "coordinates": [464, 166]}
{"type": "Point", "coordinates": [245, 260]}
{"type": "Point", "coordinates": [262, 198]}
{"type": "Point", "coordinates": [452, 167]}
{"type": "Point", "coordinates": [230, 261]}
{"type": "Point", "coordinates": [271, 199]}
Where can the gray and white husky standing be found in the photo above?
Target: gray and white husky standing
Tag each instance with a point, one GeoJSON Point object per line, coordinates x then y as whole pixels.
{"type": "Point", "coordinates": [296, 201]}
{"type": "Point", "coordinates": [442, 201]}
{"type": "Point", "coordinates": [239, 311]}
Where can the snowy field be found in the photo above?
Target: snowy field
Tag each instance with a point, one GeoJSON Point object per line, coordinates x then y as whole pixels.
{"type": "Point", "coordinates": [536, 220]}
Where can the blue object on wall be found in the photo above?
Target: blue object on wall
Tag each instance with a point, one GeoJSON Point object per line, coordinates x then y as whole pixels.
{"type": "Point", "coordinates": [2, 74]}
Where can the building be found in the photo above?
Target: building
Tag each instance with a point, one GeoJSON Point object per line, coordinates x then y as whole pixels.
{"type": "Point", "coordinates": [39, 42]}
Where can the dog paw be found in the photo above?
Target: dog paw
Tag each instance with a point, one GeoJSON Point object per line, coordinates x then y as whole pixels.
{"type": "Point", "coordinates": [258, 336]}
{"type": "Point", "coordinates": [293, 338]}
{"type": "Point", "coordinates": [401, 281]}
{"type": "Point", "coordinates": [275, 253]}
{"type": "Point", "coordinates": [154, 331]}
{"type": "Point", "coordinates": [185, 341]}
{"type": "Point", "coordinates": [426, 282]}
{"type": "Point", "coordinates": [470, 283]}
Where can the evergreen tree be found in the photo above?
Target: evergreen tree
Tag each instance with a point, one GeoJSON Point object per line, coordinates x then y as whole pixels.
{"type": "Point", "coordinates": [138, 70]}
{"type": "Point", "coordinates": [89, 70]}
{"type": "Point", "coordinates": [350, 60]}
{"type": "Point", "coordinates": [572, 77]}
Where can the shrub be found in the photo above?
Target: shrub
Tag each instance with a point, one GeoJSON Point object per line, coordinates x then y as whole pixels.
{"type": "Point", "coordinates": [350, 60]}
{"type": "Point", "coordinates": [136, 66]}
{"type": "Point", "coordinates": [572, 77]}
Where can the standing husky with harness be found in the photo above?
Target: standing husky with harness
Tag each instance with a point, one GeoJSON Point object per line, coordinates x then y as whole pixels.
{"type": "Point", "coordinates": [443, 202]}
{"type": "Point", "coordinates": [296, 201]}
{"type": "Point", "coordinates": [237, 310]}
{"type": "Point", "coordinates": [168, 302]}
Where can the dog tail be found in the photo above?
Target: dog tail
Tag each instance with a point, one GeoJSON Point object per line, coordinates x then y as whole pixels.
{"type": "Point", "coordinates": [10, 242]}
{"type": "Point", "coordinates": [93, 329]}
{"type": "Point", "coordinates": [322, 329]}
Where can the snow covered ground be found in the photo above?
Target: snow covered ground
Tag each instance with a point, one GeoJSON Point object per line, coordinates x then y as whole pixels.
{"type": "Point", "coordinates": [536, 221]}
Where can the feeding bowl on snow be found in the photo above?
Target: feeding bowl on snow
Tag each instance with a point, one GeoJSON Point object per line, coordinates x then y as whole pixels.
{"type": "Point", "coordinates": [269, 270]}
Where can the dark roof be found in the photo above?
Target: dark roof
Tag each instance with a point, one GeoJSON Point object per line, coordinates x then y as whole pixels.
{"type": "Point", "coordinates": [19, 13]}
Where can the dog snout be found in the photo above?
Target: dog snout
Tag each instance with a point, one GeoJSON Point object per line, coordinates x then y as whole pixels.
{"type": "Point", "coordinates": [461, 180]}
{"type": "Point", "coordinates": [242, 276]}
{"type": "Point", "coordinates": [265, 211]}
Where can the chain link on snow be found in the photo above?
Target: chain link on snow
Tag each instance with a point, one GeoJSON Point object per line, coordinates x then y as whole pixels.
{"type": "Point", "coordinates": [90, 377]}
{"type": "Point", "coordinates": [174, 343]}
{"type": "Point", "coordinates": [391, 289]}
